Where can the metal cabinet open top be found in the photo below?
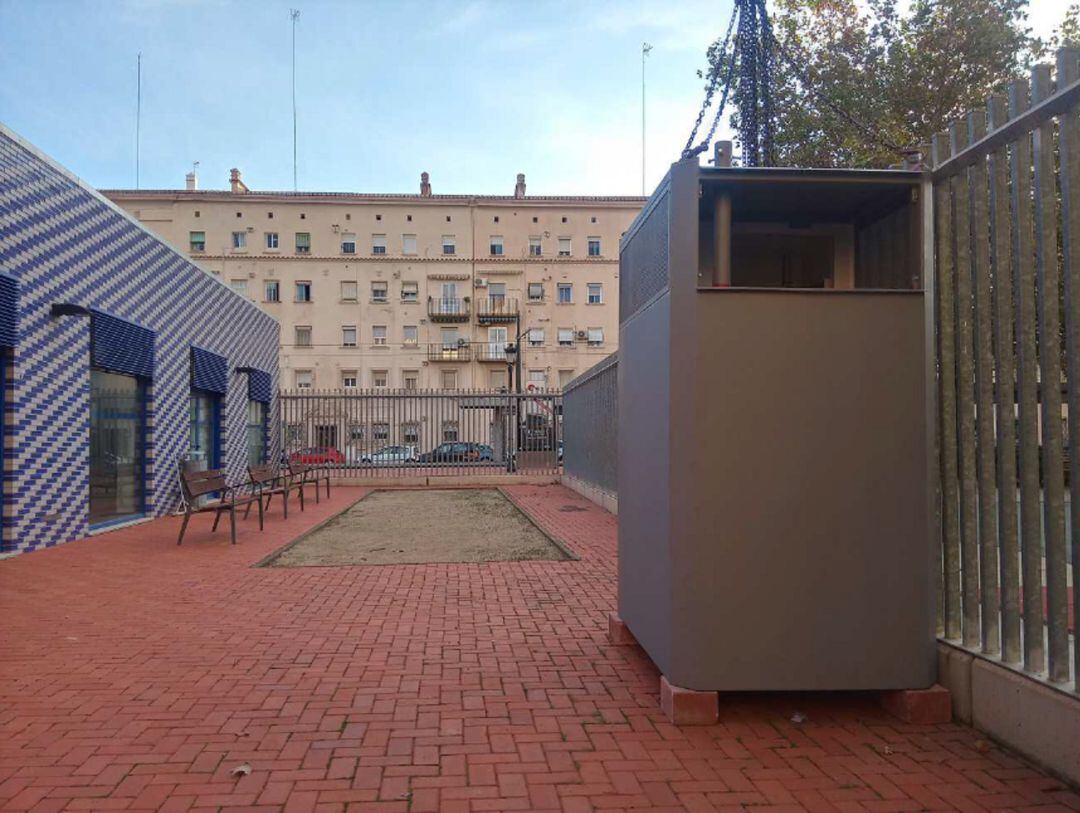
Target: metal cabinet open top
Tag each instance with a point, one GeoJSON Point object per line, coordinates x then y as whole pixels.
{"type": "Point", "coordinates": [773, 436]}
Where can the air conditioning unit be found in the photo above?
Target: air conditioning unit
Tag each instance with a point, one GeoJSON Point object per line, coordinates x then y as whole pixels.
{"type": "Point", "coordinates": [480, 282]}
{"type": "Point", "coordinates": [581, 335]}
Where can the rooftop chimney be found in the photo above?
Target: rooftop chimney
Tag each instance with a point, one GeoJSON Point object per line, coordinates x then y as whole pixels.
{"type": "Point", "coordinates": [191, 181]}
{"type": "Point", "coordinates": [519, 188]}
{"type": "Point", "coordinates": [235, 184]}
{"type": "Point", "coordinates": [425, 185]}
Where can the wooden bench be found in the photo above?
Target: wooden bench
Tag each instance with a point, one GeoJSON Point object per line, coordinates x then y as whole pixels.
{"type": "Point", "coordinates": [309, 473]}
{"type": "Point", "coordinates": [196, 484]}
{"type": "Point", "coordinates": [267, 480]}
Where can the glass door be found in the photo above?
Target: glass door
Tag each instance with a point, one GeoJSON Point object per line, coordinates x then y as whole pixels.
{"type": "Point", "coordinates": [449, 304]}
{"type": "Point", "coordinates": [117, 483]}
{"type": "Point", "coordinates": [203, 435]}
{"type": "Point", "coordinates": [256, 433]}
{"type": "Point", "coordinates": [496, 342]}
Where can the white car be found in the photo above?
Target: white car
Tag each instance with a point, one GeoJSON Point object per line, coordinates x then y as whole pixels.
{"type": "Point", "coordinates": [391, 456]}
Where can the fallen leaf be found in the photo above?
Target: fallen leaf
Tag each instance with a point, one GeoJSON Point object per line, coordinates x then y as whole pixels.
{"type": "Point", "coordinates": [798, 717]}
{"type": "Point", "coordinates": [242, 769]}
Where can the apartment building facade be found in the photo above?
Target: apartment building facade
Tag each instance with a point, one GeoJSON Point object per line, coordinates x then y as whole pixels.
{"type": "Point", "coordinates": [418, 291]}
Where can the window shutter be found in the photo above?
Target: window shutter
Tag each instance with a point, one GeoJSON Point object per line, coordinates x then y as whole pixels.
{"type": "Point", "coordinates": [209, 371]}
{"type": "Point", "coordinates": [120, 346]}
{"type": "Point", "coordinates": [9, 310]}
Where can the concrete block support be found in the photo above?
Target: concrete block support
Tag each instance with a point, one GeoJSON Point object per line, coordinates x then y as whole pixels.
{"type": "Point", "coordinates": [618, 633]}
{"type": "Point", "coordinates": [687, 706]}
{"type": "Point", "coordinates": [922, 706]}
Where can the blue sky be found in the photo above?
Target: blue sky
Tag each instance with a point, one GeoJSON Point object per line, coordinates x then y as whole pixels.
{"type": "Point", "coordinates": [472, 91]}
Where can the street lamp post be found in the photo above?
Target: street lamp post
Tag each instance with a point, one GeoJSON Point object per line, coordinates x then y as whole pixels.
{"type": "Point", "coordinates": [511, 353]}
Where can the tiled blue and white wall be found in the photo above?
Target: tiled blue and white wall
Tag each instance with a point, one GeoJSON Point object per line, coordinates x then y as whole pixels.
{"type": "Point", "coordinates": [63, 242]}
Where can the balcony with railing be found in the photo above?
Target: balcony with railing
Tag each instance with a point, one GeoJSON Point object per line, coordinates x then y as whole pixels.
{"type": "Point", "coordinates": [491, 352]}
{"type": "Point", "coordinates": [492, 310]}
{"type": "Point", "coordinates": [449, 351]}
{"type": "Point", "coordinates": [448, 309]}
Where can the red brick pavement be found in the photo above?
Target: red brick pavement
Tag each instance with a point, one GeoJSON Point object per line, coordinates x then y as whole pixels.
{"type": "Point", "coordinates": [138, 675]}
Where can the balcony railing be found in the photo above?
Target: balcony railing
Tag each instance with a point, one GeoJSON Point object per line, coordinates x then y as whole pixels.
{"type": "Point", "coordinates": [490, 351]}
{"type": "Point", "coordinates": [449, 351]}
{"type": "Point", "coordinates": [495, 309]}
{"type": "Point", "coordinates": [448, 310]}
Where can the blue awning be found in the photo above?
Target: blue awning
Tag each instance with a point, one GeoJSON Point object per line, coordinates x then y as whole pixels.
{"type": "Point", "coordinates": [9, 310]}
{"type": "Point", "coordinates": [209, 371]}
{"type": "Point", "coordinates": [120, 346]}
{"type": "Point", "coordinates": [260, 385]}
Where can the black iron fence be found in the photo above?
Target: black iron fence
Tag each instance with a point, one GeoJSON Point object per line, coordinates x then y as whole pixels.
{"type": "Point", "coordinates": [390, 433]}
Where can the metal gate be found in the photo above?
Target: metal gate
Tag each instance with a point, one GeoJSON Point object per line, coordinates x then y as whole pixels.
{"type": "Point", "coordinates": [420, 433]}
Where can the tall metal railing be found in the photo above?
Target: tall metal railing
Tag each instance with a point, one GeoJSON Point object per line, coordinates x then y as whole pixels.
{"type": "Point", "coordinates": [1006, 185]}
{"type": "Point", "coordinates": [390, 433]}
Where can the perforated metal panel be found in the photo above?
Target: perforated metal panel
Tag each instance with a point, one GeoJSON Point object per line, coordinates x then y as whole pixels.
{"type": "Point", "coordinates": [120, 346]}
{"type": "Point", "coordinates": [209, 371]}
{"type": "Point", "coordinates": [9, 311]}
{"type": "Point", "coordinates": [590, 420]}
{"type": "Point", "coordinates": [643, 258]}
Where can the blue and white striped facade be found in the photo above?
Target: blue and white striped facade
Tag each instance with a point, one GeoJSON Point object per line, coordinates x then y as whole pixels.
{"type": "Point", "coordinates": [62, 242]}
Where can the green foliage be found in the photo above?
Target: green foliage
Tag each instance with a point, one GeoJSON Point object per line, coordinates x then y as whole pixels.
{"type": "Point", "coordinates": [867, 72]}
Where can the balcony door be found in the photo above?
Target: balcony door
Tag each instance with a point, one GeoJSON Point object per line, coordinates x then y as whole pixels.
{"type": "Point", "coordinates": [449, 302]}
{"type": "Point", "coordinates": [497, 296]}
{"type": "Point", "coordinates": [497, 339]}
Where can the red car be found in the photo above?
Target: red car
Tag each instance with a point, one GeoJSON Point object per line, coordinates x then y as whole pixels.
{"type": "Point", "coordinates": [318, 456]}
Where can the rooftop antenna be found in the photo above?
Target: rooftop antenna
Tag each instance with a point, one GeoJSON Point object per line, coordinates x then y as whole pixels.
{"type": "Point", "coordinates": [138, 114]}
{"type": "Point", "coordinates": [294, 14]}
{"type": "Point", "coordinates": [645, 48]}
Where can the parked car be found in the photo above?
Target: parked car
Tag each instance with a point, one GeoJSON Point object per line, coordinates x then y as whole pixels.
{"type": "Point", "coordinates": [318, 456]}
{"type": "Point", "coordinates": [391, 456]}
{"type": "Point", "coordinates": [458, 452]}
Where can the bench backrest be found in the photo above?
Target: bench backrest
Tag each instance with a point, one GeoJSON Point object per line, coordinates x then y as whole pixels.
{"type": "Point", "coordinates": [263, 474]}
{"type": "Point", "coordinates": [197, 483]}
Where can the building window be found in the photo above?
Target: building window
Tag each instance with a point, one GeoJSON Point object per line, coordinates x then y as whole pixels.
{"type": "Point", "coordinates": [449, 246]}
{"type": "Point", "coordinates": [239, 240]}
{"type": "Point", "coordinates": [594, 246]}
{"type": "Point", "coordinates": [408, 244]}
{"type": "Point", "coordinates": [303, 242]}
{"type": "Point", "coordinates": [379, 378]}
{"type": "Point", "coordinates": [410, 379]}
{"type": "Point", "coordinates": [257, 431]}
{"type": "Point", "coordinates": [448, 379]}
{"type": "Point", "coordinates": [197, 241]}
{"type": "Point", "coordinates": [348, 290]}
{"type": "Point", "coordinates": [537, 379]}
{"type": "Point", "coordinates": [348, 379]}
{"type": "Point", "coordinates": [204, 429]}
{"type": "Point", "coordinates": [596, 336]}
{"type": "Point", "coordinates": [117, 435]}
{"type": "Point", "coordinates": [378, 335]}
{"type": "Point", "coordinates": [536, 292]}
{"type": "Point", "coordinates": [410, 292]}
{"type": "Point", "coordinates": [410, 433]}
{"type": "Point", "coordinates": [536, 247]}
{"type": "Point", "coordinates": [564, 246]}
{"type": "Point", "coordinates": [302, 334]}
{"type": "Point", "coordinates": [305, 379]}
{"type": "Point", "coordinates": [348, 244]}
{"type": "Point", "coordinates": [496, 245]}
{"type": "Point", "coordinates": [239, 286]}
{"type": "Point", "coordinates": [272, 290]}
{"type": "Point", "coordinates": [348, 335]}
{"type": "Point", "coordinates": [303, 292]}
{"type": "Point", "coordinates": [536, 337]}
{"type": "Point", "coordinates": [596, 293]}
{"type": "Point", "coordinates": [378, 291]}
{"type": "Point", "coordinates": [378, 244]}
{"type": "Point", "coordinates": [272, 240]}
{"type": "Point", "coordinates": [380, 432]}
{"type": "Point", "coordinates": [566, 293]}
{"type": "Point", "coordinates": [449, 431]}
{"type": "Point", "coordinates": [294, 434]}
{"type": "Point", "coordinates": [410, 335]}
{"type": "Point", "coordinates": [565, 377]}
{"type": "Point", "coordinates": [566, 337]}
{"type": "Point", "coordinates": [497, 379]}
{"type": "Point", "coordinates": [356, 433]}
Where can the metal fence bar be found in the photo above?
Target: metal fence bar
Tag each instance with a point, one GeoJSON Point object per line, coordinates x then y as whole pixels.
{"type": "Point", "coordinates": [1027, 387]}
{"type": "Point", "coordinates": [1068, 66]}
{"type": "Point", "coordinates": [1004, 389]}
{"type": "Point", "coordinates": [965, 378]}
{"type": "Point", "coordinates": [946, 333]}
{"type": "Point", "coordinates": [986, 443]}
{"type": "Point", "coordinates": [1049, 277]}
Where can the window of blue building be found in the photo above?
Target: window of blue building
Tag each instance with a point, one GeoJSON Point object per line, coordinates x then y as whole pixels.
{"type": "Point", "coordinates": [258, 415]}
{"type": "Point", "coordinates": [209, 383]}
{"type": "Point", "coordinates": [122, 368]}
